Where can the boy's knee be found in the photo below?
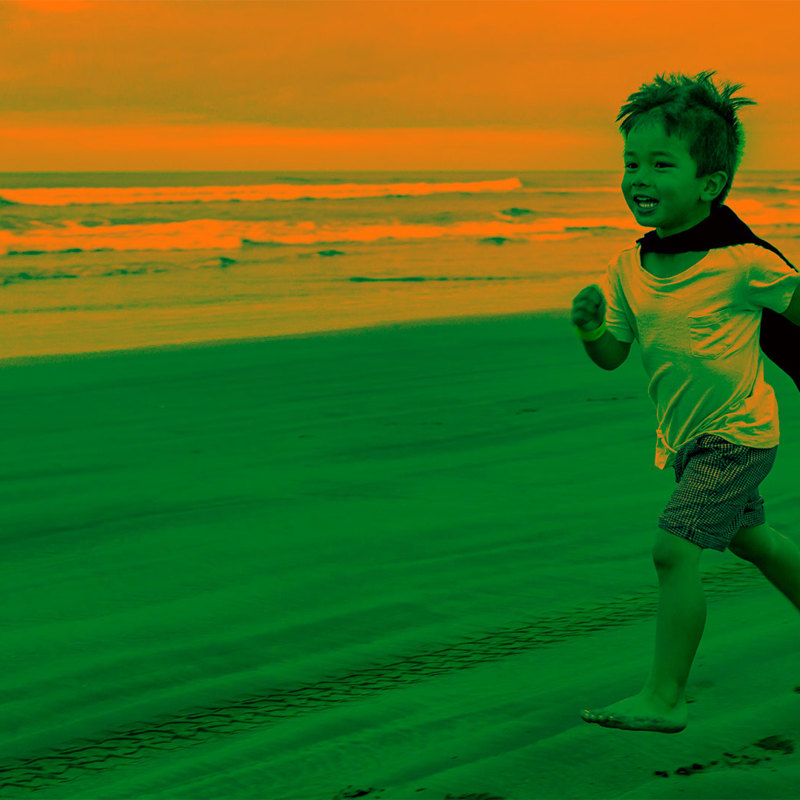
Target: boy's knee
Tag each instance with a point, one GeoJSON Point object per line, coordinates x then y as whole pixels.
{"type": "Point", "coordinates": [670, 550]}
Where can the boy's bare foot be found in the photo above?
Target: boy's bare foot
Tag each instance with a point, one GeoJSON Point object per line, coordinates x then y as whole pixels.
{"type": "Point", "coordinates": [642, 712]}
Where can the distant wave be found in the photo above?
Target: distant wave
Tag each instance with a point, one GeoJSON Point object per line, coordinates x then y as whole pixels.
{"type": "Point", "coordinates": [769, 188]}
{"type": "Point", "coordinates": [47, 270]}
{"type": "Point", "coordinates": [21, 277]}
{"type": "Point", "coordinates": [571, 190]}
{"type": "Point", "coordinates": [744, 185]}
{"type": "Point", "coordinates": [423, 278]}
{"type": "Point", "coordinates": [73, 237]}
{"type": "Point", "coordinates": [223, 194]}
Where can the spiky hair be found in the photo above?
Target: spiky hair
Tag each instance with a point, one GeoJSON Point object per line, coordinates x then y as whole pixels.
{"type": "Point", "coordinates": [697, 112]}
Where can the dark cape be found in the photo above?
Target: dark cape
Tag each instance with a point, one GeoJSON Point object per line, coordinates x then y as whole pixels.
{"type": "Point", "coordinates": [780, 338]}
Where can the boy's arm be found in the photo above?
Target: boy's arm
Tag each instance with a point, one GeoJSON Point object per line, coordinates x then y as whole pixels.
{"type": "Point", "coordinates": [607, 352]}
{"type": "Point", "coordinates": [793, 312]}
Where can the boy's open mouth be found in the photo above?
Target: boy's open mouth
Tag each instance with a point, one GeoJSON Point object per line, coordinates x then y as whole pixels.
{"type": "Point", "coordinates": [644, 203]}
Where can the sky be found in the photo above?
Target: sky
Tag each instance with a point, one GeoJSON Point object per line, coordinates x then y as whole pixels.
{"type": "Point", "coordinates": [108, 85]}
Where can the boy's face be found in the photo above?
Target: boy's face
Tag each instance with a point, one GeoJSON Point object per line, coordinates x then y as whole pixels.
{"type": "Point", "coordinates": [660, 167]}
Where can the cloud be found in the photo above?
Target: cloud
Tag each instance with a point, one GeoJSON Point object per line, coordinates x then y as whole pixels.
{"type": "Point", "coordinates": [54, 6]}
{"type": "Point", "coordinates": [260, 147]}
{"type": "Point", "coordinates": [332, 65]}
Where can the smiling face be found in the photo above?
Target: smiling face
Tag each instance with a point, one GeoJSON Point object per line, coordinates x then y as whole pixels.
{"type": "Point", "coordinates": [660, 167]}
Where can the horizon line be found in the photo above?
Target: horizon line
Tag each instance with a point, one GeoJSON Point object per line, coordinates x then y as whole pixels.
{"type": "Point", "coordinates": [332, 171]}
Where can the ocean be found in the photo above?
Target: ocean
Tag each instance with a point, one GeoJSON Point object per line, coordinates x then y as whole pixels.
{"type": "Point", "coordinates": [106, 261]}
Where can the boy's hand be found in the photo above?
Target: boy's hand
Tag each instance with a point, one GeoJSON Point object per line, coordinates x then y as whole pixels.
{"type": "Point", "coordinates": [588, 308]}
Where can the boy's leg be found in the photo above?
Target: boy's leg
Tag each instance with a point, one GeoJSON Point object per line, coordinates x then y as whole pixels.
{"type": "Point", "coordinates": [661, 704]}
{"type": "Point", "coordinates": [681, 616]}
{"type": "Point", "coordinates": [776, 555]}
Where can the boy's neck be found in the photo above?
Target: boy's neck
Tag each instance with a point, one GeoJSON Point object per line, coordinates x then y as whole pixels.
{"type": "Point", "coordinates": [703, 214]}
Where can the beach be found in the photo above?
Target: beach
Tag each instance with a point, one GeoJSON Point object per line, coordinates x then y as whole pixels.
{"type": "Point", "coordinates": [392, 562]}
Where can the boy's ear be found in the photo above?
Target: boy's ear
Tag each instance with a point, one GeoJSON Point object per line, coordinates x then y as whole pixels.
{"type": "Point", "coordinates": [714, 185]}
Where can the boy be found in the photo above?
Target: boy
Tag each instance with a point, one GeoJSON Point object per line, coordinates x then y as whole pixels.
{"type": "Point", "coordinates": [694, 304]}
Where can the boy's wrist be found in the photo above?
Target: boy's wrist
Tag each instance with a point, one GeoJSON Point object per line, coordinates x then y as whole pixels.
{"type": "Point", "coordinates": [592, 335]}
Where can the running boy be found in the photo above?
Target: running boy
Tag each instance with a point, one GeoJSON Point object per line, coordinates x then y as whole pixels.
{"type": "Point", "coordinates": [696, 312]}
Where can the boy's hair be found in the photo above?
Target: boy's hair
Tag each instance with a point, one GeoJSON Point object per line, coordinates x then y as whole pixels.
{"type": "Point", "coordinates": [697, 112]}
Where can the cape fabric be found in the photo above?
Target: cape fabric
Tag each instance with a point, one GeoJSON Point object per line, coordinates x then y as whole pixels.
{"type": "Point", "coordinates": [780, 338]}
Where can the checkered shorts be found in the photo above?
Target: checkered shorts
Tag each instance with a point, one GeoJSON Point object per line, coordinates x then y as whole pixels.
{"type": "Point", "coordinates": [717, 492]}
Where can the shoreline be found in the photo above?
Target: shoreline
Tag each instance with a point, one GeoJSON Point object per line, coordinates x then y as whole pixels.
{"type": "Point", "coordinates": [541, 316]}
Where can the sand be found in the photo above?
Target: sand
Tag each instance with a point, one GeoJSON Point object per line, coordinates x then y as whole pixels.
{"type": "Point", "coordinates": [391, 562]}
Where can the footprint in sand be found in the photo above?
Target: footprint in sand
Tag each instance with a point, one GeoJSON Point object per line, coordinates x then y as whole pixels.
{"type": "Point", "coordinates": [742, 758]}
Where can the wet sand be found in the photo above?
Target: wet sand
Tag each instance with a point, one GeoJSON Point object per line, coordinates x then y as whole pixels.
{"type": "Point", "coordinates": [391, 562]}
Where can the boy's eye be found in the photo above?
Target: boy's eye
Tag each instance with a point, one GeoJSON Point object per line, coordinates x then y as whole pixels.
{"type": "Point", "coordinates": [658, 163]}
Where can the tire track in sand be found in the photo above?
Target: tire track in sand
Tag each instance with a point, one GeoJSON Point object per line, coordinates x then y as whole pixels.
{"type": "Point", "coordinates": [108, 749]}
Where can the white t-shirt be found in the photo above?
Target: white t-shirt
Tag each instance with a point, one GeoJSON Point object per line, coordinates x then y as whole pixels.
{"type": "Point", "coordinates": [699, 336]}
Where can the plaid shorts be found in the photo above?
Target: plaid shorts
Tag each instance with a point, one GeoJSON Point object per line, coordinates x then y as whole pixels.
{"type": "Point", "coordinates": [718, 490]}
